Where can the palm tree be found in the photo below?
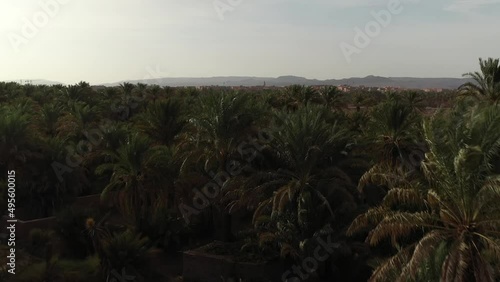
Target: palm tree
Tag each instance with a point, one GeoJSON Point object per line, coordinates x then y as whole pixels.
{"type": "Point", "coordinates": [50, 113]}
{"type": "Point", "coordinates": [155, 92]}
{"type": "Point", "coordinates": [300, 94]}
{"type": "Point", "coordinates": [162, 121]}
{"type": "Point", "coordinates": [9, 90]}
{"type": "Point", "coordinates": [333, 97]}
{"type": "Point", "coordinates": [217, 127]}
{"type": "Point", "coordinates": [78, 118]}
{"type": "Point", "coordinates": [114, 135]}
{"type": "Point", "coordinates": [21, 145]}
{"type": "Point", "coordinates": [359, 100]}
{"type": "Point", "coordinates": [142, 87]}
{"type": "Point", "coordinates": [75, 92]}
{"type": "Point", "coordinates": [141, 173]}
{"type": "Point", "coordinates": [54, 181]}
{"type": "Point", "coordinates": [219, 123]}
{"type": "Point", "coordinates": [393, 134]}
{"type": "Point", "coordinates": [412, 99]}
{"type": "Point", "coordinates": [301, 175]}
{"type": "Point", "coordinates": [125, 251]}
{"type": "Point", "coordinates": [127, 88]}
{"type": "Point", "coordinates": [456, 204]}
{"type": "Point", "coordinates": [128, 102]}
{"type": "Point", "coordinates": [16, 136]}
{"type": "Point", "coordinates": [486, 84]}
{"type": "Point", "coordinates": [168, 90]}
{"type": "Point", "coordinates": [29, 89]}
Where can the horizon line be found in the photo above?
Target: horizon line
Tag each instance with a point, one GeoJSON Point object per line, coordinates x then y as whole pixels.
{"type": "Point", "coordinates": [226, 76]}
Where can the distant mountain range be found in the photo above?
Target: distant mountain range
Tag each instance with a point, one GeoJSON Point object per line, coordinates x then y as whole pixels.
{"type": "Point", "coordinates": [34, 81]}
{"type": "Point", "coordinates": [369, 81]}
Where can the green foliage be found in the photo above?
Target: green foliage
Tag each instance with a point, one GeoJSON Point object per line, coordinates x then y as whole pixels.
{"type": "Point", "coordinates": [155, 146]}
{"type": "Point", "coordinates": [163, 226]}
{"type": "Point", "coordinates": [125, 250]}
{"type": "Point", "coordinates": [332, 97]}
{"type": "Point", "coordinates": [393, 129]}
{"type": "Point", "coordinates": [454, 203]}
{"type": "Point", "coordinates": [430, 269]}
{"type": "Point", "coordinates": [61, 271]}
{"type": "Point", "coordinates": [486, 84]}
{"type": "Point", "coordinates": [303, 94]}
{"type": "Point", "coordinates": [394, 135]}
{"type": "Point", "coordinates": [140, 174]}
{"type": "Point", "coordinates": [114, 135]}
{"type": "Point", "coordinates": [15, 136]}
{"type": "Point", "coordinates": [71, 229]}
{"type": "Point", "coordinates": [38, 241]}
{"type": "Point", "coordinates": [162, 121]}
{"type": "Point", "coordinates": [218, 123]}
{"type": "Point", "coordinates": [303, 177]}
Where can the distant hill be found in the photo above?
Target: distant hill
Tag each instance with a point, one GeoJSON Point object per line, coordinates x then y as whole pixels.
{"type": "Point", "coordinates": [35, 81]}
{"type": "Point", "coordinates": [369, 81]}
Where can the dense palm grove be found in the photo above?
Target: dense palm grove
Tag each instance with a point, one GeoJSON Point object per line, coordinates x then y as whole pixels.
{"type": "Point", "coordinates": [405, 185]}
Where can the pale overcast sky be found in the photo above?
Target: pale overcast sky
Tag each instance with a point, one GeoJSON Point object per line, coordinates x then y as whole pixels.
{"type": "Point", "coordinates": [112, 40]}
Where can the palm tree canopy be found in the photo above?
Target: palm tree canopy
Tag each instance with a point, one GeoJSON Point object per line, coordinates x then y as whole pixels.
{"type": "Point", "coordinates": [455, 204]}
{"type": "Point", "coordinates": [486, 83]}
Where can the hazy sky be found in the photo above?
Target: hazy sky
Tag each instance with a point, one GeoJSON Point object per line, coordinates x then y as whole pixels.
{"type": "Point", "coordinates": [113, 40]}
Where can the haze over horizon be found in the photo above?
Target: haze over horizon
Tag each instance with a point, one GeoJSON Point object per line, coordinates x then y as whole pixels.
{"type": "Point", "coordinates": [111, 41]}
